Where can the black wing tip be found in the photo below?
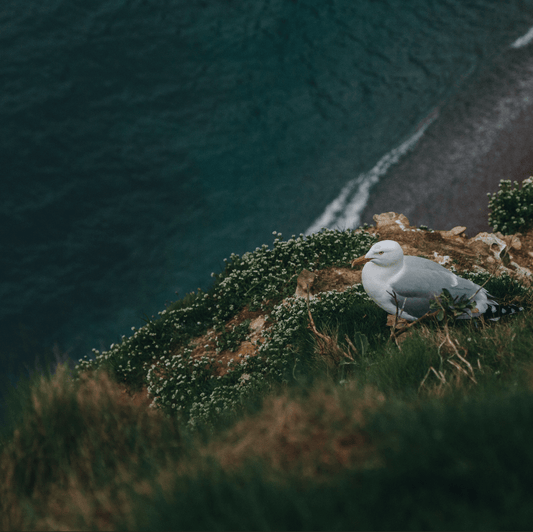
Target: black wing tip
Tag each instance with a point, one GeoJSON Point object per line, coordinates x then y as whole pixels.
{"type": "Point", "coordinates": [495, 311]}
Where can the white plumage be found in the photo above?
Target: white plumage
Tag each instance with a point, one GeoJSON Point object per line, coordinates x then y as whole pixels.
{"type": "Point", "coordinates": [409, 284]}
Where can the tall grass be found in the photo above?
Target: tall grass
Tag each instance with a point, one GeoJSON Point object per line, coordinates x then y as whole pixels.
{"type": "Point", "coordinates": [454, 466]}
{"type": "Point", "coordinates": [374, 452]}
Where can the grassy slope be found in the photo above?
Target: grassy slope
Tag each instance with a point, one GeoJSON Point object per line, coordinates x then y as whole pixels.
{"type": "Point", "coordinates": [343, 431]}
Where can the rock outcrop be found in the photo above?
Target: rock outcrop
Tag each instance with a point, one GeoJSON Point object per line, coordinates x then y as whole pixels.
{"type": "Point", "coordinates": [486, 252]}
{"type": "Point", "coordinates": [492, 252]}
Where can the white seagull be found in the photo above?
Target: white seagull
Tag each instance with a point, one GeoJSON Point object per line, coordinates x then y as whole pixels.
{"type": "Point", "coordinates": [407, 285]}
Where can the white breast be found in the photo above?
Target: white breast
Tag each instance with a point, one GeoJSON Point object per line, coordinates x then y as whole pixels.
{"type": "Point", "coordinates": [376, 281]}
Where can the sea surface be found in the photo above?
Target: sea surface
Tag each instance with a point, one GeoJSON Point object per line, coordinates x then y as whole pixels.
{"type": "Point", "coordinates": [142, 142]}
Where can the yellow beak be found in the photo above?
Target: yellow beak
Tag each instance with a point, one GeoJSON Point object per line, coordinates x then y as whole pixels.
{"type": "Point", "coordinates": [360, 260]}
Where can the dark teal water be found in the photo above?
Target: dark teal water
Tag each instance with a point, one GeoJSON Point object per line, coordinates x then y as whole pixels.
{"type": "Point", "coordinates": [143, 142]}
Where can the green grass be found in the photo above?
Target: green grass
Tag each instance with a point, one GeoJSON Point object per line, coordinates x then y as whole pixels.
{"type": "Point", "coordinates": [463, 465]}
{"type": "Point", "coordinates": [341, 428]}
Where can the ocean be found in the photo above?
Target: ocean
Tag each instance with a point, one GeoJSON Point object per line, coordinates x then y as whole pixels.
{"type": "Point", "coordinates": [141, 143]}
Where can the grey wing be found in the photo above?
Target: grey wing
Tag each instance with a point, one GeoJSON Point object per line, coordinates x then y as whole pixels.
{"type": "Point", "coordinates": [421, 282]}
{"type": "Point", "coordinates": [414, 306]}
{"type": "Point", "coordinates": [430, 275]}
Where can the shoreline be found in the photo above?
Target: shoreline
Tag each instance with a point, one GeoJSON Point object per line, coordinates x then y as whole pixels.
{"type": "Point", "coordinates": [465, 158]}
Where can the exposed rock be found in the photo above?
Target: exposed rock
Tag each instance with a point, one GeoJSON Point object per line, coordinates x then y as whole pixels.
{"type": "Point", "coordinates": [392, 222]}
{"type": "Point", "coordinates": [513, 241]}
{"type": "Point", "coordinates": [456, 231]}
{"type": "Point", "coordinates": [496, 245]}
{"type": "Point", "coordinates": [492, 252]}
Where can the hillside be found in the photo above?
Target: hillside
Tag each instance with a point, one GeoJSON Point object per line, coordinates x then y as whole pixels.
{"type": "Point", "coordinates": [490, 253]}
{"type": "Point", "coordinates": [280, 400]}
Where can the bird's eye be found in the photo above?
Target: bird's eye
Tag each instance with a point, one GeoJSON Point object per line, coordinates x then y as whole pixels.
{"type": "Point", "coordinates": [380, 252]}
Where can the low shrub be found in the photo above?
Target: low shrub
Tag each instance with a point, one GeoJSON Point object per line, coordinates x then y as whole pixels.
{"type": "Point", "coordinates": [512, 208]}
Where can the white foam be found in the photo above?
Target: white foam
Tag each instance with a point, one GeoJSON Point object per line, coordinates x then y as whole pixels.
{"type": "Point", "coordinates": [345, 210]}
{"type": "Point", "coordinates": [524, 40]}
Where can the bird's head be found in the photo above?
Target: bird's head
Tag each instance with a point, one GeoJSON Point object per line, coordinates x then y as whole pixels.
{"type": "Point", "coordinates": [386, 253]}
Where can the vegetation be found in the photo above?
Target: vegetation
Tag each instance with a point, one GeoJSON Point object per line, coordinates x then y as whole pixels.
{"type": "Point", "coordinates": [186, 384]}
{"type": "Point", "coordinates": [512, 208]}
{"type": "Point", "coordinates": [333, 423]}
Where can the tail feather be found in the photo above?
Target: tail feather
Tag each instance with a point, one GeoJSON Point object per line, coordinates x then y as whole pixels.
{"type": "Point", "coordinates": [495, 311]}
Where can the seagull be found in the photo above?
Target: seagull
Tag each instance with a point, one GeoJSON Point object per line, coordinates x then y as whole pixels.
{"type": "Point", "coordinates": [407, 285]}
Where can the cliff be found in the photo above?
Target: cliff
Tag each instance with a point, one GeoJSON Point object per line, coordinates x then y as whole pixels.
{"type": "Point", "coordinates": [491, 254]}
{"type": "Point", "coordinates": [276, 400]}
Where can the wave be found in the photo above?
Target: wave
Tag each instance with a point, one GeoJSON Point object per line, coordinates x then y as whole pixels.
{"type": "Point", "coordinates": [345, 210]}
{"type": "Point", "coordinates": [524, 40]}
